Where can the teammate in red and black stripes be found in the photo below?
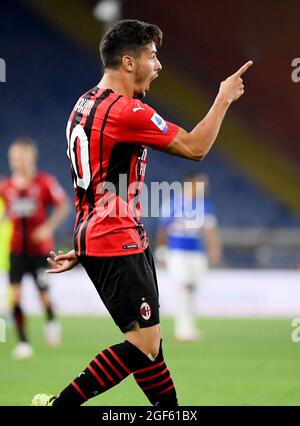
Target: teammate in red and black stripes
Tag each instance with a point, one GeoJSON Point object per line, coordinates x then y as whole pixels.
{"type": "Point", "coordinates": [27, 195]}
{"type": "Point", "coordinates": [108, 132]}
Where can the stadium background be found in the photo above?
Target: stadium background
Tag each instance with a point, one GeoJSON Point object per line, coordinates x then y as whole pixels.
{"type": "Point", "coordinates": [51, 56]}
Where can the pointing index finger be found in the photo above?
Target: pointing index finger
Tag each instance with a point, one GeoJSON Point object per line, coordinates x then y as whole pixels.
{"type": "Point", "coordinates": [244, 68]}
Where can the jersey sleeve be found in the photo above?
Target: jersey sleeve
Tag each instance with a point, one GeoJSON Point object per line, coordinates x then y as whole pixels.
{"type": "Point", "coordinates": [140, 123]}
{"type": "Point", "coordinates": [53, 191]}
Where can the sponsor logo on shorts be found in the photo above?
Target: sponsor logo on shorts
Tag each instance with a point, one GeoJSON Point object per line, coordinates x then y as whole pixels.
{"type": "Point", "coordinates": [130, 246]}
{"type": "Point", "coordinates": [145, 311]}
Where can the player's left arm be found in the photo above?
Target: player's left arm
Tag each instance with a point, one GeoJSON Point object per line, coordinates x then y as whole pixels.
{"type": "Point", "coordinates": [211, 234]}
{"type": "Point", "coordinates": [213, 245]}
{"type": "Point", "coordinates": [161, 243]}
{"type": "Point", "coordinates": [56, 196]}
{"type": "Point", "coordinates": [59, 214]}
{"type": "Point", "coordinates": [160, 252]}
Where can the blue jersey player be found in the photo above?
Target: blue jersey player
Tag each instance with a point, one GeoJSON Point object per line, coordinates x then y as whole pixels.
{"type": "Point", "coordinates": [187, 243]}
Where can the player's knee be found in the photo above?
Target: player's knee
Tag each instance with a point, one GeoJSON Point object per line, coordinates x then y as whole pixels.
{"type": "Point", "coordinates": [42, 280]}
{"type": "Point", "coordinates": [150, 347]}
{"type": "Point", "coordinates": [155, 343]}
{"type": "Point", "coordinates": [15, 295]}
{"type": "Point", "coordinates": [154, 350]}
{"type": "Point", "coordinates": [146, 339]}
{"type": "Point", "coordinates": [15, 301]}
{"type": "Point", "coordinates": [44, 296]}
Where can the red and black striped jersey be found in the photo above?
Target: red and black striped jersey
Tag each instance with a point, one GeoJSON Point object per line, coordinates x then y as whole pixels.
{"type": "Point", "coordinates": [107, 138]}
{"type": "Point", "coordinates": [27, 209]}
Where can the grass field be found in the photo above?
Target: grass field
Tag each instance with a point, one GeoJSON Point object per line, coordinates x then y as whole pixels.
{"type": "Point", "coordinates": [240, 362]}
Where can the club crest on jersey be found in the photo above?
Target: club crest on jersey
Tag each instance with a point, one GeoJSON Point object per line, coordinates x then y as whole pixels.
{"type": "Point", "coordinates": [159, 122]}
{"type": "Point", "coordinates": [145, 311]}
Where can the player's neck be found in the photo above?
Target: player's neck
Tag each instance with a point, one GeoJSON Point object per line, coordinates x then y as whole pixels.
{"type": "Point", "coordinates": [117, 82]}
{"type": "Point", "coordinates": [23, 178]}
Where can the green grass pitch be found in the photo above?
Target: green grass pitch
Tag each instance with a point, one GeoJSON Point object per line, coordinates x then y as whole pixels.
{"type": "Point", "coordinates": [240, 362]}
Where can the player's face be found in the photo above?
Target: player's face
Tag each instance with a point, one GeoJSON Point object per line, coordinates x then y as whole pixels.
{"type": "Point", "coordinates": [22, 159]}
{"type": "Point", "coordinates": [147, 69]}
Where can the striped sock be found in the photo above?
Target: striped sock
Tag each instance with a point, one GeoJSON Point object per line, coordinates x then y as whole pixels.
{"type": "Point", "coordinates": [19, 320]}
{"type": "Point", "coordinates": [156, 382]}
{"type": "Point", "coordinates": [50, 313]}
{"type": "Point", "coordinates": [106, 370]}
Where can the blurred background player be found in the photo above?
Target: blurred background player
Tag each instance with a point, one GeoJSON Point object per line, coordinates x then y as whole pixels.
{"type": "Point", "coordinates": [186, 246]}
{"type": "Point", "coordinates": [28, 194]}
{"type": "Point", "coordinates": [5, 236]}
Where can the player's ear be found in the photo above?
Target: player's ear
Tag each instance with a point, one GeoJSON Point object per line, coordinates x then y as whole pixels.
{"type": "Point", "coordinates": [128, 63]}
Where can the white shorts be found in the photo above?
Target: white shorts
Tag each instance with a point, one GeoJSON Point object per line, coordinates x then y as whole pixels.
{"type": "Point", "coordinates": [186, 267]}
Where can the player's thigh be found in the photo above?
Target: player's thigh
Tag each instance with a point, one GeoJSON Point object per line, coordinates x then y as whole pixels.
{"type": "Point", "coordinates": [17, 269]}
{"type": "Point", "coordinates": [178, 267]}
{"type": "Point", "coordinates": [127, 287]}
{"type": "Point", "coordinates": [150, 260]}
{"type": "Point", "coordinates": [199, 267]}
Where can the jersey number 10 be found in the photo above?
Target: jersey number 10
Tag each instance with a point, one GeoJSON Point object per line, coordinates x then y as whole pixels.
{"type": "Point", "coordinates": [83, 178]}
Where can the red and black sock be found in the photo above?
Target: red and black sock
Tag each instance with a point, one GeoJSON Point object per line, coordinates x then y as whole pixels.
{"type": "Point", "coordinates": [156, 382]}
{"type": "Point", "coordinates": [108, 369]}
{"type": "Point", "coordinates": [19, 320]}
{"type": "Point", "coordinates": [50, 313]}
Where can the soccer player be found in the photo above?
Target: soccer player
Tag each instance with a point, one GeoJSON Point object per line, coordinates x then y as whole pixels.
{"type": "Point", "coordinates": [5, 236]}
{"type": "Point", "coordinates": [27, 195]}
{"type": "Point", "coordinates": [108, 133]}
{"type": "Point", "coordinates": [188, 242]}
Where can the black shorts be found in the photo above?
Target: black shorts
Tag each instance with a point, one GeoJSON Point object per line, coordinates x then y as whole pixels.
{"type": "Point", "coordinates": [34, 265]}
{"type": "Point", "coordinates": [127, 286]}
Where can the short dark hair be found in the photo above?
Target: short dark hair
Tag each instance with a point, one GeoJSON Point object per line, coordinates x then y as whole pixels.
{"type": "Point", "coordinates": [129, 36]}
